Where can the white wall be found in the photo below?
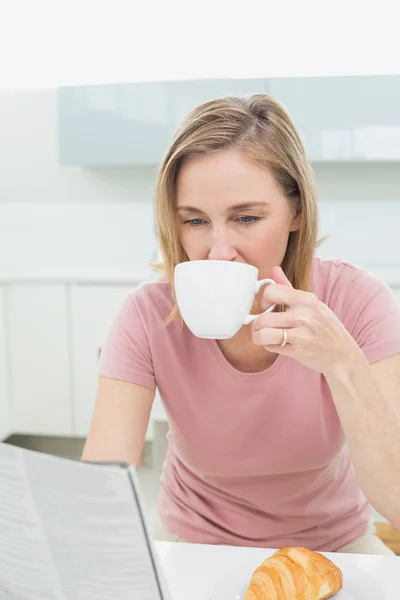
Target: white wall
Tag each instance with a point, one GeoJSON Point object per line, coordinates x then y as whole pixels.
{"type": "Point", "coordinates": [360, 212]}
{"type": "Point", "coordinates": [29, 165]}
{"type": "Point", "coordinates": [66, 216]}
{"type": "Point", "coordinates": [101, 218]}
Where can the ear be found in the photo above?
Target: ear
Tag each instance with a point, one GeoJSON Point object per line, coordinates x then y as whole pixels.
{"type": "Point", "coordinates": [297, 217]}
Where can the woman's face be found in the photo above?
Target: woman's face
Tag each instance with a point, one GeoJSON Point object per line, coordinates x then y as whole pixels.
{"type": "Point", "coordinates": [230, 208]}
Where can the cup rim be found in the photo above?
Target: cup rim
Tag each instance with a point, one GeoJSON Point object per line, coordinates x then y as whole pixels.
{"type": "Point", "coordinates": [209, 260]}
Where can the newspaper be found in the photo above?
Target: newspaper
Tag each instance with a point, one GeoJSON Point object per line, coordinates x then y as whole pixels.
{"type": "Point", "coordinates": [72, 530]}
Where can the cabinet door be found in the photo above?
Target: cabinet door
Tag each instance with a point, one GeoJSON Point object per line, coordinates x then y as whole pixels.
{"type": "Point", "coordinates": [93, 308]}
{"type": "Point", "coordinates": [39, 358]}
{"type": "Point", "coordinates": [132, 123]}
{"type": "Point", "coordinates": [396, 291]}
{"type": "Point", "coordinates": [344, 118]}
{"type": "Point", "coordinates": [5, 406]}
{"type": "Point", "coordinates": [114, 124]}
{"type": "Point", "coordinates": [187, 95]}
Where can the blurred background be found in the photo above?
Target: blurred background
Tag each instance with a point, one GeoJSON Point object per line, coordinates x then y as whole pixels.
{"type": "Point", "coordinates": [77, 172]}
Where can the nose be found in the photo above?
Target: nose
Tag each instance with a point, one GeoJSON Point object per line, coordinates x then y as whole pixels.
{"type": "Point", "coordinates": [221, 247]}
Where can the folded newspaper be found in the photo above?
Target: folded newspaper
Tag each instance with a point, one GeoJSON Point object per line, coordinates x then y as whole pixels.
{"type": "Point", "coordinates": [73, 530]}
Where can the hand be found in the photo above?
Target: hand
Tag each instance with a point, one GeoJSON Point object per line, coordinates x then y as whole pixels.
{"type": "Point", "coordinates": [315, 336]}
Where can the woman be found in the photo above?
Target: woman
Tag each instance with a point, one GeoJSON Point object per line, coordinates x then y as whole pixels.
{"type": "Point", "coordinates": [279, 435]}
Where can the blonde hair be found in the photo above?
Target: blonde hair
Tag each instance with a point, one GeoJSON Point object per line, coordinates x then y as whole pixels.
{"type": "Point", "coordinates": [260, 128]}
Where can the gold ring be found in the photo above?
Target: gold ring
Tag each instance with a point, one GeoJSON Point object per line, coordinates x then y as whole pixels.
{"type": "Point", "coordinates": [284, 339]}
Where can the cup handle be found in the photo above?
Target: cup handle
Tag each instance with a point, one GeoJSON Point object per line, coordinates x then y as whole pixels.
{"type": "Point", "coordinates": [251, 318]}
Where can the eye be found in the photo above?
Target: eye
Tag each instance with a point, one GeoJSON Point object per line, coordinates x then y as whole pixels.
{"type": "Point", "coordinates": [247, 219]}
{"type": "Point", "coordinates": [194, 222]}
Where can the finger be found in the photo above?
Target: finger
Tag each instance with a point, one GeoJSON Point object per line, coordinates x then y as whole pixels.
{"type": "Point", "coordinates": [287, 296]}
{"type": "Point", "coordinates": [278, 275]}
{"type": "Point", "coordinates": [276, 320]}
{"type": "Point", "coordinates": [286, 350]}
{"type": "Point", "coordinates": [272, 337]}
{"type": "Point", "coordinates": [278, 294]}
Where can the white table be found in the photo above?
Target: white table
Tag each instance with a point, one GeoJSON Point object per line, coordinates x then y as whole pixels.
{"type": "Point", "coordinates": [191, 570]}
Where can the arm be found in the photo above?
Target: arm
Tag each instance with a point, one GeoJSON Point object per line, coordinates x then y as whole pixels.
{"type": "Point", "coordinates": [120, 421]}
{"type": "Point", "coordinates": [126, 386]}
{"type": "Point", "coordinates": [367, 398]}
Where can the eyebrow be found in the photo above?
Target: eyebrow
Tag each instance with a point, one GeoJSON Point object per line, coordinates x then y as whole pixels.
{"type": "Point", "coordinates": [233, 208]}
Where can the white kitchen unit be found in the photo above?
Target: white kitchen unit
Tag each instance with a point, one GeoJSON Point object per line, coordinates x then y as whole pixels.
{"type": "Point", "coordinates": [396, 292]}
{"type": "Point", "coordinates": [50, 335]}
{"type": "Point", "coordinates": [347, 118]}
{"type": "Point", "coordinates": [118, 124]}
{"type": "Point", "coordinates": [93, 307]}
{"type": "Point", "coordinates": [187, 95]}
{"type": "Point", "coordinates": [132, 123]}
{"type": "Point", "coordinates": [5, 403]}
{"type": "Point", "coordinates": [39, 364]}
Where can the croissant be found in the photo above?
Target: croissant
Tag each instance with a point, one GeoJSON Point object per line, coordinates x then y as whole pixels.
{"type": "Point", "coordinates": [295, 574]}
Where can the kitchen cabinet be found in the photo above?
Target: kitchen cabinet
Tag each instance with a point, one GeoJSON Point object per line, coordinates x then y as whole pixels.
{"type": "Point", "coordinates": [93, 307]}
{"type": "Point", "coordinates": [39, 366]}
{"type": "Point", "coordinates": [396, 291]}
{"type": "Point", "coordinates": [347, 118]}
{"type": "Point", "coordinates": [50, 337]}
{"type": "Point", "coordinates": [186, 95]}
{"type": "Point", "coordinates": [92, 310]}
{"type": "Point", "coordinates": [5, 403]}
{"type": "Point", "coordinates": [113, 124]}
{"type": "Point", "coordinates": [131, 123]}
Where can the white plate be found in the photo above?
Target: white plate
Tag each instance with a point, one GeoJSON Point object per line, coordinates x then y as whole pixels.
{"type": "Point", "coordinates": [357, 585]}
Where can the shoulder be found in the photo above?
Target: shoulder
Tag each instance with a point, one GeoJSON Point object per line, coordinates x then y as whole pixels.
{"type": "Point", "coordinates": [335, 280]}
{"type": "Point", "coordinates": [150, 300]}
{"type": "Point", "coordinates": [141, 312]}
{"type": "Point", "coordinates": [153, 293]}
{"type": "Point", "coordinates": [326, 270]}
{"type": "Point", "coordinates": [363, 302]}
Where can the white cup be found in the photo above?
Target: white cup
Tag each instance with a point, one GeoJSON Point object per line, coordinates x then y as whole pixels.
{"type": "Point", "coordinates": [215, 296]}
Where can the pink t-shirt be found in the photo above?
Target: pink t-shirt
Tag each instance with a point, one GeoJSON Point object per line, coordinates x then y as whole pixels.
{"type": "Point", "coordinates": [254, 459]}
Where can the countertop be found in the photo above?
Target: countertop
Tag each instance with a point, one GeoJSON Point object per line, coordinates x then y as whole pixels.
{"type": "Point", "coordinates": [192, 571]}
{"type": "Point", "coordinates": [77, 275]}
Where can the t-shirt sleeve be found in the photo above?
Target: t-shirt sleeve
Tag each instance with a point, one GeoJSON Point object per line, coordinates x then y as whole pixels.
{"type": "Point", "coordinates": [126, 353]}
{"type": "Point", "coordinates": [372, 316]}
